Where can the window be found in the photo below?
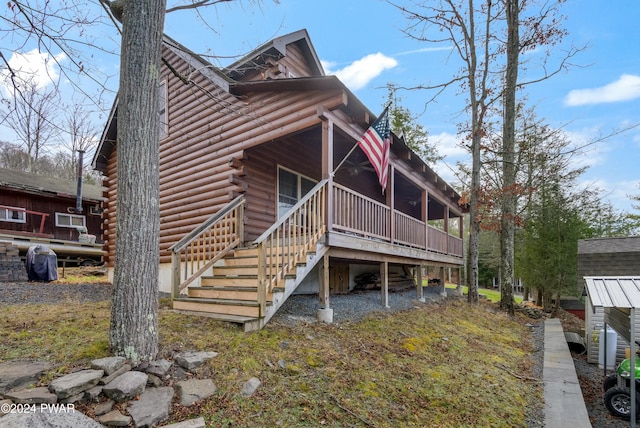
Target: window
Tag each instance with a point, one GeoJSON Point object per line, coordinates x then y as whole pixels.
{"type": "Point", "coordinates": [162, 109]}
{"type": "Point", "coordinates": [13, 214]}
{"type": "Point", "coordinates": [70, 220]}
{"type": "Point", "coordinates": [291, 188]}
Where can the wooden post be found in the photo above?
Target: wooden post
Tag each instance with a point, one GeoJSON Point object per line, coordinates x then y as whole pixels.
{"type": "Point", "coordinates": [175, 275]}
{"type": "Point", "coordinates": [390, 202]}
{"type": "Point", "coordinates": [446, 229]}
{"type": "Point", "coordinates": [384, 283]}
{"type": "Point", "coordinates": [443, 291]}
{"type": "Point", "coordinates": [323, 274]}
{"type": "Point", "coordinates": [327, 167]}
{"type": "Point", "coordinates": [419, 290]}
{"type": "Point", "coordinates": [425, 217]}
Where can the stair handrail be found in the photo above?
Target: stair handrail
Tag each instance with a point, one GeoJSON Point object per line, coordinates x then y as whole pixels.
{"type": "Point", "coordinates": [289, 239]}
{"type": "Point", "coordinates": [202, 250]}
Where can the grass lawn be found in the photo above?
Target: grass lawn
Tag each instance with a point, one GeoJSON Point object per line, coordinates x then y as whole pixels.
{"type": "Point", "coordinates": [437, 365]}
{"type": "Point", "coordinates": [492, 295]}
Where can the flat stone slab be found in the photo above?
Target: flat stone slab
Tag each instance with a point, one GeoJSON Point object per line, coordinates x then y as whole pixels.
{"type": "Point", "coordinates": [159, 368]}
{"type": "Point", "coordinates": [109, 364]}
{"type": "Point", "coordinates": [194, 390]}
{"type": "Point", "coordinates": [16, 375]}
{"type": "Point", "coordinates": [126, 386]}
{"type": "Point", "coordinates": [122, 370]}
{"type": "Point", "coordinates": [191, 423]}
{"type": "Point", "coordinates": [192, 360]}
{"type": "Point", "coordinates": [152, 407]}
{"type": "Point", "coordinates": [75, 383]}
{"type": "Point", "coordinates": [46, 419]}
{"type": "Point", "coordinates": [115, 419]}
{"type": "Point", "coordinates": [250, 387]}
{"type": "Point", "coordinates": [32, 396]}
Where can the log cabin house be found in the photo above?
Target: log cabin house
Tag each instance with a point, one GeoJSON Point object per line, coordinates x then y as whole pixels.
{"type": "Point", "coordinates": [35, 209]}
{"type": "Point", "coordinates": [252, 208]}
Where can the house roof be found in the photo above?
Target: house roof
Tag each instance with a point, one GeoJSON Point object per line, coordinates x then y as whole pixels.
{"type": "Point", "coordinates": [628, 244]}
{"type": "Point", "coordinates": [614, 292]}
{"type": "Point", "coordinates": [48, 186]}
{"type": "Point", "coordinates": [276, 48]}
{"type": "Point", "coordinates": [228, 79]}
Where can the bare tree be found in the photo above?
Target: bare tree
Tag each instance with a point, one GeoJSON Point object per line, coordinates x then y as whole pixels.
{"type": "Point", "coordinates": [30, 119]}
{"type": "Point", "coordinates": [80, 135]}
{"type": "Point", "coordinates": [469, 30]}
{"type": "Point", "coordinates": [507, 231]}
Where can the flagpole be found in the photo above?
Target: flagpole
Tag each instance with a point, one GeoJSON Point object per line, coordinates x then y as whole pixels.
{"type": "Point", "coordinates": [345, 158]}
{"type": "Point", "coordinates": [356, 145]}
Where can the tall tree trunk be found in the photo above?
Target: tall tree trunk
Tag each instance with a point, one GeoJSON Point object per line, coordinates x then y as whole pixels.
{"type": "Point", "coordinates": [134, 313]}
{"type": "Point", "coordinates": [508, 159]}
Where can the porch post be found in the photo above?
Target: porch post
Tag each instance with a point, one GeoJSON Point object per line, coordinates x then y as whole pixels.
{"type": "Point", "coordinates": [384, 283]}
{"type": "Point", "coordinates": [425, 217]}
{"type": "Point", "coordinates": [327, 166]}
{"type": "Point", "coordinates": [443, 282]}
{"type": "Point", "coordinates": [446, 227]}
{"type": "Point", "coordinates": [419, 289]}
{"type": "Point", "coordinates": [390, 203]}
{"type": "Point", "coordinates": [324, 313]}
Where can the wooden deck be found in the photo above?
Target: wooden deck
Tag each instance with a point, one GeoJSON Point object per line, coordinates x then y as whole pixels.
{"type": "Point", "coordinates": [72, 252]}
{"type": "Point", "coordinates": [217, 275]}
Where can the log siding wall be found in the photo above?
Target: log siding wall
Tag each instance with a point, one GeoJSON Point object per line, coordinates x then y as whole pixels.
{"type": "Point", "coordinates": [219, 146]}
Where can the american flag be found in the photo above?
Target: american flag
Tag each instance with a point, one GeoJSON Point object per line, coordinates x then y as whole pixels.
{"type": "Point", "coordinates": [375, 144]}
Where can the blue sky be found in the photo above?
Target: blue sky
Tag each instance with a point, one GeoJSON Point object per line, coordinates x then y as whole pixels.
{"type": "Point", "coordinates": [361, 42]}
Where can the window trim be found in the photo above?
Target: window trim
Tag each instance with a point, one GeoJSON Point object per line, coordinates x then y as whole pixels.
{"type": "Point", "coordinates": [71, 216]}
{"type": "Point", "coordinates": [9, 218]}
{"type": "Point", "coordinates": [299, 178]}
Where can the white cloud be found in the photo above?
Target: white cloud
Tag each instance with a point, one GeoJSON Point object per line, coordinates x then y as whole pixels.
{"type": "Point", "coordinates": [359, 73]}
{"type": "Point", "coordinates": [449, 145]}
{"type": "Point", "coordinates": [40, 68]}
{"type": "Point", "coordinates": [626, 88]}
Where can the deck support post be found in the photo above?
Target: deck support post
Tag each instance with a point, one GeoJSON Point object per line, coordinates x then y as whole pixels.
{"type": "Point", "coordinates": [419, 290]}
{"type": "Point", "coordinates": [443, 282]}
{"type": "Point", "coordinates": [323, 276]}
{"type": "Point", "coordinates": [384, 283]}
{"type": "Point", "coordinates": [324, 313]}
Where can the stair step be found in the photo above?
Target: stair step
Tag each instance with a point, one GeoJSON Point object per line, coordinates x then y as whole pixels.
{"type": "Point", "coordinates": [238, 270]}
{"type": "Point", "coordinates": [241, 261]}
{"type": "Point", "coordinates": [226, 293]}
{"type": "Point", "coordinates": [253, 252]}
{"type": "Point", "coordinates": [220, 306]}
{"type": "Point", "coordinates": [229, 281]}
{"type": "Point", "coordinates": [238, 319]}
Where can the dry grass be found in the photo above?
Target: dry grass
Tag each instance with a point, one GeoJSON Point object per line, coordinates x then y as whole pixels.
{"type": "Point", "coordinates": [445, 365]}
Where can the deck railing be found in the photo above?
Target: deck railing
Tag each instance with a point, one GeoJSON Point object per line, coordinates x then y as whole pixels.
{"type": "Point", "coordinates": [288, 241]}
{"type": "Point", "coordinates": [437, 240]}
{"type": "Point", "coordinates": [409, 231]}
{"type": "Point", "coordinates": [455, 246]}
{"type": "Point", "coordinates": [206, 244]}
{"type": "Point", "coordinates": [355, 213]}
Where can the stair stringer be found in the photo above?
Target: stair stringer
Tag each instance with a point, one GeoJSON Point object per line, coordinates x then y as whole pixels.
{"type": "Point", "coordinates": [279, 297]}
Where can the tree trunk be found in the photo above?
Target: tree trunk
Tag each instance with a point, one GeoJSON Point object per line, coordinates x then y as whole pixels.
{"type": "Point", "coordinates": [134, 313]}
{"type": "Point", "coordinates": [508, 159]}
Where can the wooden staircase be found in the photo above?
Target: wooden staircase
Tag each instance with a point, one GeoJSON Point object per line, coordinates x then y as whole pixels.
{"type": "Point", "coordinates": [230, 293]}
{"type": "Point", "coordinates": [247, 285]}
